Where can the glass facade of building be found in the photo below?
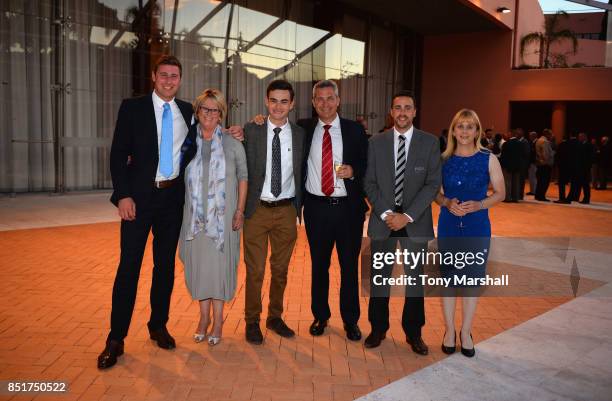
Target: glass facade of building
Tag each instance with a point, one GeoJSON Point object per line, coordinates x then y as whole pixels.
{"type": "Point", "coordinates": [67, 64]}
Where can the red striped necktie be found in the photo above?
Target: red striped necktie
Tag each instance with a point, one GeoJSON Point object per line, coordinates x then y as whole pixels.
{"type": "Point", "coordinates": [327, 168]}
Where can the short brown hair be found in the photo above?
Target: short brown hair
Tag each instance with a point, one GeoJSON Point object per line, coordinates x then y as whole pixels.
{"type": "Point", "coordinates": [214, 94]}
{"type": "Point", "coordinates": [167, 59]}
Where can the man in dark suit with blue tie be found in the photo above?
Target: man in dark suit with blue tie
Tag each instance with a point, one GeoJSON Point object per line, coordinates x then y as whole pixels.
{"type": "Point", "coordinates": [148, 190]}
{"type": "Point", "coordinates": [334, 205]}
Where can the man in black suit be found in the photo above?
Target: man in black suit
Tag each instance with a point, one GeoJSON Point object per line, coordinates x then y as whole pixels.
{"type": "Point", "coordinates": [511, 162]}
{"type": "Point", "coordinates": [581, 180]}
{"type": "Point", "coordinates": [148, 190]}
{"type": "Point", "coordinates": [525, 160]}
{"type": "Point", "coordinates": [334, 205]}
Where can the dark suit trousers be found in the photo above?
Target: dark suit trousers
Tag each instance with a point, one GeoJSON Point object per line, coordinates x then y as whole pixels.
{"type": "Point", "coordinates": [564, 179]}
{"type": "Point", "coordinates": [543, 176]}
{"type": "Point", "coordinates": [413, 314]}
{"type": "Point", "coordinates": [512, 181]}
{"type": "Point", "coordinates": [163, 215]}
{"type": "Point", "coordinates": [328, 224]}
{"type": "Point", "coordinates": [581, 182]}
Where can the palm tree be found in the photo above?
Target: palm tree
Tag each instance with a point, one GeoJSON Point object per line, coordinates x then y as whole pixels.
{"type": "Point", "coordinates": [552, 34]}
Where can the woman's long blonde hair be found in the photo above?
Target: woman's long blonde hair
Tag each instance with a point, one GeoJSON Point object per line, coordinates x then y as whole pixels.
{"type": "Point", "coordinates": [463, 114]}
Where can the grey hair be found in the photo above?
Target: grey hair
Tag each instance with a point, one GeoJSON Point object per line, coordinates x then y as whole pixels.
{"type": "Point", "coordinates": [325, 83]}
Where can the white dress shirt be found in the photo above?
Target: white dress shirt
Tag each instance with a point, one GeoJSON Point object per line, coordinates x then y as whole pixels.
{"type": "Point", "coordinates": [179, 132]}
{"type": "Point", "coordinates": [286, 148]}
{"type": "Point", "coordinates": [396, 134]}
{"type": "Point", "coordinates": [315, 158]}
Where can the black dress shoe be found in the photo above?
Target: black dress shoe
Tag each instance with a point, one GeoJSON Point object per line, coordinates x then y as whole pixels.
{"type": "Point", "coordinates": [279, 327]}
{"type": "Point", "coordinates": [469, 352]}
{"type": "Point", "coordinates": [417, 345]}
{"type": "Point", "coordinates": [163, 338]}
{"type": "Point", "coordinates": [449, 350]}
{"type": "Point", "coordinates": [317, 327]}
{"type": "Point", "coordinates": [584, 202]}
{"type": "Point", "coordinates": [253, 333]}
{"type": "Point", "coordinates": [108, 357]}
{"type": "Point", "coordinates": [374, 339]}
{"type": "Point", "coordinates": [352, 332]}
{"type": "Point", "coordinates": [563, 201]}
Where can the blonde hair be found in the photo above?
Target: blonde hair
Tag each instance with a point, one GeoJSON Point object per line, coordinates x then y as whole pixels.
{"type": "Point", "coordinates": [463, 114]}
{"type": "Point", "coordinates": [214, 94]}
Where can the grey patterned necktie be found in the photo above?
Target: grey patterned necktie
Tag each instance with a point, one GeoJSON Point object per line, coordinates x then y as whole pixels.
{"type": "Point", "coordinates": [276, 164]}
{"type": "Point", "coordinates": [400, 166]}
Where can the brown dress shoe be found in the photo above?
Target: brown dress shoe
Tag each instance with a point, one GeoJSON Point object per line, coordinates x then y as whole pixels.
{"type": "Point", "coordinates": [417, 345]}
{"type": "Point", "coordinates": [279, 327]}
{"type": "Point", "coordinates": [163, 338]}
{"type": "Point", "coordinates": [108, 357]}
{"type": "Point", "coordinates": [253, 333]}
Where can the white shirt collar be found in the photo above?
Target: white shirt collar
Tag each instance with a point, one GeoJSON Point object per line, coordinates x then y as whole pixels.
{"type": "Point", "coordinates": [271, 125]}
{"type": "Point", "coordinates": [407, 134]}
{"type": "Point", "coordinates": [159, 102]}
{"type": "Point", "coordinates": [335, 123]}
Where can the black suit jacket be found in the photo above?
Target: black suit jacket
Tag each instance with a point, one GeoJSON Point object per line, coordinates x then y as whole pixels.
{"type": "Point", "coordinates": [136, 137]}
{"type": "Point", "coordinates": [354, 153]}
{"type": "Point", "coordinates": [511, 155]}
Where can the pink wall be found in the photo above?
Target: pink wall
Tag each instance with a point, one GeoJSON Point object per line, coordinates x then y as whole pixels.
{"type": "Point", "coordinates": [489, 8]}
{"type": "Point", "coordinates": [590, 52]}
{"type": "Point", "coordinates": [531, 19]}
{"type": "Point", "coordinates": [472, 70]}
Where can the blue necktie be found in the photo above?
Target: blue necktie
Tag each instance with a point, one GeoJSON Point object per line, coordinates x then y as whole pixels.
{"type": "Point", "coordinates": [166, 164]}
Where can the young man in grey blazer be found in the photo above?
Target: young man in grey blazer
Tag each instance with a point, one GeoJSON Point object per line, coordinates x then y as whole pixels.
{"type": "Point", "coordinates": [274, 153]}
{"type": "Point", "coordinates": [402, 178]}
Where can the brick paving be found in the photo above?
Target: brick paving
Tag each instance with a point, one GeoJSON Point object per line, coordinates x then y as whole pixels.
{"type": "Point", "coordinates": [55, 306]}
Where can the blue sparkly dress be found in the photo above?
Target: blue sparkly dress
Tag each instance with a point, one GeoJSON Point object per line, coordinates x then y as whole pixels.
{"type": "Point", "coordinates": [465, 178]}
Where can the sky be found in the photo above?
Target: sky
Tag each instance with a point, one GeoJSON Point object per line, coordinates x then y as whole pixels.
{"type": "Point", "coordinates": [551, 6]}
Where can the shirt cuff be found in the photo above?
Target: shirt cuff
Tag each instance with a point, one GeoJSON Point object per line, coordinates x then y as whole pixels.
{"type": "Point", "coordinates": [410, 219]}
{"type": "Point", "coordinates": [385, 213]}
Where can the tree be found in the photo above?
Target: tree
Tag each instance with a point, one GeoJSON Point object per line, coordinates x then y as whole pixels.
{"type": "Point", "coordinates": [552, 34]}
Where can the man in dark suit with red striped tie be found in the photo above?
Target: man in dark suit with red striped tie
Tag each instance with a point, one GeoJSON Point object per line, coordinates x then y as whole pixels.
{"type": "Point", "coordinates": [334, 205]}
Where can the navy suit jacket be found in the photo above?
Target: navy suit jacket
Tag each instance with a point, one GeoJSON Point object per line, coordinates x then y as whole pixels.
{"type": "Point", "coordinates": [136, 137]}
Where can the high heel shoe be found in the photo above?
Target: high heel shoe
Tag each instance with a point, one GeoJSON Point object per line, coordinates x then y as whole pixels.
{"type": "Point", "coordinates": [469, 352]}
{"type": "Point", "coordinates": [213, 340]}
{"type": "Point", "coordinates": [199, 337]}
{"type": "Point", "coordinates": [449, 350]}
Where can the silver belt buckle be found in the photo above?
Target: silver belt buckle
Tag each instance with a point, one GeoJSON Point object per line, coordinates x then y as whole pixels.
{"type": "Point", "coordinates": [334, 201]}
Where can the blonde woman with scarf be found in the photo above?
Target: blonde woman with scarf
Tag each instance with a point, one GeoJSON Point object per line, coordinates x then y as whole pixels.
{"type": "Point", "coordinates": [215, 196]}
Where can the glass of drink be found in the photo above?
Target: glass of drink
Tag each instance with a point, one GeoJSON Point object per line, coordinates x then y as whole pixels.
{"type": "Point", "coordinates": [337, 167]}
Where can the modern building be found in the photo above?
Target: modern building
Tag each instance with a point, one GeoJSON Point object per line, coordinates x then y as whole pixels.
{"type": "Point", "coordinates": [67, 64]}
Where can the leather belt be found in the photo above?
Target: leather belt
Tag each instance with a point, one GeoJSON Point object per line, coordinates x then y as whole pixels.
{"type": "Point", "coordinates": [330, 200]}
{"type": "Point", "coordinates": [281, 202]}
{"type": "Point", "coordinates": [165, 184]}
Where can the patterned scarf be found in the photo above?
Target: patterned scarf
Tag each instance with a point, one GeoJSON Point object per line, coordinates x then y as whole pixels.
{"type": "Point", "coordinates": [213, 222]}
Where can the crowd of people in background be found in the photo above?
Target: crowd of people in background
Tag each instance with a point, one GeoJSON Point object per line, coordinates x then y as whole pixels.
{"type": "Point", "coordinates": [578, 161]}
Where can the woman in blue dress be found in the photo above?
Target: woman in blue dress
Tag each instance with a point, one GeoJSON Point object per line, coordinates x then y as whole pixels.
{"type": "Point", "coordinates": [464, 223]}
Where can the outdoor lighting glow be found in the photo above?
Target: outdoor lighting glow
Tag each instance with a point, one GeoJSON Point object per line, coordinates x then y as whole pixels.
{"type": "Point", "coordinates": [503, 10]}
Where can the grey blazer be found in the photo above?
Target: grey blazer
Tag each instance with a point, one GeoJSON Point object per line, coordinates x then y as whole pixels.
{"type": "Point", "coordinates": [255, 144]}
{"type": "Point", "coordinates": [422, 182]}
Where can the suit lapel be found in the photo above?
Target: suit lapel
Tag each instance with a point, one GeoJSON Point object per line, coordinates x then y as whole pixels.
{"type": "Point", "coordinates": [388, 148]}
{"type": "Point", "coordinates": [149, 118]}
{"type": "Point", "coordinates": [262, 149]}
{"type": "Point", "coordinates": [345, 142]}
{"type": "Point", "coordinates": [415, 145]}
{"type": "Point", "coordinates": [186, 111]}
{"type": "Point", "coordinates": [296, 152]}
